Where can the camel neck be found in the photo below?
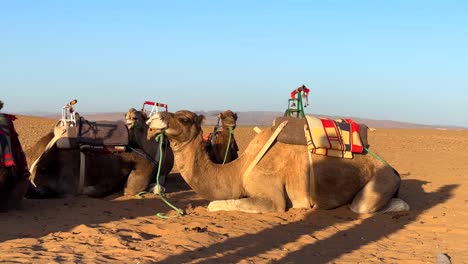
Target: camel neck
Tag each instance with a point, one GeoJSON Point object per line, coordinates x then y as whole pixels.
{"type": "Point", "coordinates": [149, 146]}
{"type": "Point", "coordinates": [210, 180]}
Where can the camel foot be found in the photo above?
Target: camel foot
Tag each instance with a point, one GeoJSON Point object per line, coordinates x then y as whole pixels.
{"type": "Point", "coordinates": [395, 205]}
{"type": "Point", "coordinates": [156, 188]}
{"type": "Point", "coordinates": [90, 191]}
{"type": "Point", "coordinates": [443, 258]}
{"type": "Point", "coordinates": [248, 205]}
{"type": "Point", "coordinates": [228, 205]}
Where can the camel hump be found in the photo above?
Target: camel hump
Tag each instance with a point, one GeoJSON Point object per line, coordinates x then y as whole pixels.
{"type": "Point", "coordinates": [293, 133]}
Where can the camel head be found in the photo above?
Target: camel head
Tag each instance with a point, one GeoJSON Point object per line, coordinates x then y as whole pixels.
{"type": "Point", "coordinates": [228, 119]}
{"type": "Point", "coordinates": [135, 118]}
{"type": "Point", "coordinates": [181, 126]}
{"type": "Point", "coordinates": [1, 105]}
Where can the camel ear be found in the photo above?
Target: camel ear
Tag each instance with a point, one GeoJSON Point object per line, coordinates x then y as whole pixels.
{"type": "Point", "coordinates": [235, 116]}
{"type": "Point", "coordinates": [1, 105]}
{"type": "Point", "coordinates": [199, 119]}
{"type": "Point", "coordinates": [220, 115]}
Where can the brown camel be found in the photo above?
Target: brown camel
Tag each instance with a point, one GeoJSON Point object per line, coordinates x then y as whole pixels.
{"type": "Point", "coordinates": [138, 129]}
{"type": "Point", "coordinates": [221, 144]}
{"type": "Point", "coordinates": [14, 171]}
{"type": "Point", "coordinates": [283, 178]}
{"type": "Point", "coordinates": [57, 172]}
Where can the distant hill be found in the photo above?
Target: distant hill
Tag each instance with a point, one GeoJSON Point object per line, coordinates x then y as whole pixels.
{"type": "Point", "coordinates": [265, 118]}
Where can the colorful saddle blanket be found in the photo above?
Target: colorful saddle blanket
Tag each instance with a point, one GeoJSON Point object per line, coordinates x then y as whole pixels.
{"type": "Point", "coordinates": [335, 138]}
{"type": "Point", "coordinates": [6, 151]}
{"type": "Point", "coordinates": [11, 152]}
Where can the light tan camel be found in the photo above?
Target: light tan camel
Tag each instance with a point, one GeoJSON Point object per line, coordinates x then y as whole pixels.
{"type": "Point", "coordinates": [13, 167]}
{"type": "Point", "coordinates": [221, 144]}
{"type": "Point", "coordinates": [138, 129]}
{"type": "Point", "coordinates": [283, 178]}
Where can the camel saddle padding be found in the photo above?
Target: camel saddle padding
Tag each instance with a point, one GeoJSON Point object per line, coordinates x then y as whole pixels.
{"type": "Point", "coordinates": [102, 133]}
{"type": "Point", "coordinates": [107, 136]}
{"type": "Point", "coordinates": [293, 133]}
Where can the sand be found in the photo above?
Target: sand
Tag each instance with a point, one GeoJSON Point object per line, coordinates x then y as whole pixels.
{"type": "Point", "coordinates": [117, 229]}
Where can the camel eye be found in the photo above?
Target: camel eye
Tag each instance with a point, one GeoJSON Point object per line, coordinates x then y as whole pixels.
{"type": "Point", "coordinates": [184, 120]}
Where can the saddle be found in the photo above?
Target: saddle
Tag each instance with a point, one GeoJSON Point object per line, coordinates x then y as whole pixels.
{"type": "Point", "coordinates": [337, 138]}
{"type": "Point", "coordinates": [92, 135]}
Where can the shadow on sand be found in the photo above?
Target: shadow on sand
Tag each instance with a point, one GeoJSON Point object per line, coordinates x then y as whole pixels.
{"type": "Point", "coordinates": [39, 217]}
{"type": "Point", "coordinates": [321, 251]}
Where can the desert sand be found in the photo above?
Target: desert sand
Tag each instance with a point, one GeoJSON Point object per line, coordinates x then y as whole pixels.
{"type": "Point", "coordinates": [116, 229]}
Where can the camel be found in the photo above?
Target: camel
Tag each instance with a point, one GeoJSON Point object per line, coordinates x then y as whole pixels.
{"type": "Point", "coordinates": [14, 171]}
{"type": "Point", "coordinates": [57, 172]}
{"type": "Point", "coordinates": [283, 177]}
{"type": "Point", "coordinates": [221, 144]}
{"type": "Point", "coordinates": [137, 128]}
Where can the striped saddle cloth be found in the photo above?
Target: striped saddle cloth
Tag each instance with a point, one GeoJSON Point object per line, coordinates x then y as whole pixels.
{"type": "Point", "coordinates": [6, 150]}
{"type": "Point", "coordinates": [335, 138]}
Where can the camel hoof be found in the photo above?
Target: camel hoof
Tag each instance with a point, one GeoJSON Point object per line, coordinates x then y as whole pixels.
{"type": "Point", "coordinates": [156, 188]}
{"type": "Point", "coordinates": [396, 205]}
{"type": "Point", "coordinates": [89, 190]}
{"type": "Point", "coordinates": [443, 258]}
{"type": "Point", "coordinates": [215, 206]}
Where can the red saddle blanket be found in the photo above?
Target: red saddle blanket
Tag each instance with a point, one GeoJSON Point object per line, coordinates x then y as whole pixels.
{"type": "Point", "coordinates": [336, 138]}
{"type": "Point", "coordinates": [11, 152]}
{"type": "Point", "coordinates": [6, 133]}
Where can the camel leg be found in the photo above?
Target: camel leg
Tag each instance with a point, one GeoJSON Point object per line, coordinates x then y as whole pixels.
{"type": "Point", "coordinates": [378, 192]}
{"type": "Point", "coordinates": [249, 205]}
{"type": "Point", "coordinates": [16, 195]}
{"type": "Point", "coordinates": [139, 178]}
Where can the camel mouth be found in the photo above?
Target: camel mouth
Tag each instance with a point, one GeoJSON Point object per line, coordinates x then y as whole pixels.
{"type": "Point", "coordinates": [231, 126]}
{"type": "Point", "coordinates": [154, 132]}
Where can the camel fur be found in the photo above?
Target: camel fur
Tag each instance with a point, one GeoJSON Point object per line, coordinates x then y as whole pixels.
{"type": "Point", "coordinates": [282, 179]}
{"type": "Point", "coordinates": [138, 129]}
{"type": "Point", "coordinates": [218, 140]}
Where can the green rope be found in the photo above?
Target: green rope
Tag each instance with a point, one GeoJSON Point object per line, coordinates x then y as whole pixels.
{"type": "Point", "coordinates": [229, 143]}
{"type": "Point", "coordinates": [179, 211]}
{"type": "Point", "coordinates": [376, 156]}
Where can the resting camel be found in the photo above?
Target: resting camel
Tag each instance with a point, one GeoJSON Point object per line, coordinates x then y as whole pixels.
{"type": "Point", "coordinates": [283, 178]}
{"type": "Point", "coordinates": [57, 172]}
{"type": "Point", "coordinates": [138, 129]}
{"type": "Point", "coordinates": [14, 171]}
{"type": "Point", "coordinates": [221, 145]}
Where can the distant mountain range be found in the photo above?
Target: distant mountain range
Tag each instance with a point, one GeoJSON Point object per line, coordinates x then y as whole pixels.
{"type": "Point", "coordinates": [262, 118]}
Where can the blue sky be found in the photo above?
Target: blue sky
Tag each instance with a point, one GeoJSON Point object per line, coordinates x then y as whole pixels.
{"type": "Point", "coordinates": [397, 60]}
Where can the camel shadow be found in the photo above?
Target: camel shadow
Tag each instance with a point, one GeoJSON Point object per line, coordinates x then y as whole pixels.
{"type": "Point", "coordinates": [39, 217]}
{"type": "Point", "coordinates": [325, 250]}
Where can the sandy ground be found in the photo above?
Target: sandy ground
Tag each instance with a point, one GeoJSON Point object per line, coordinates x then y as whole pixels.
{"type": "Point", "coordinates": [116, 229]}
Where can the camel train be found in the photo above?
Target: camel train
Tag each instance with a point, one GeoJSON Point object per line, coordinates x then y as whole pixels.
{"type": "Point", "coordinates": [80, 157]}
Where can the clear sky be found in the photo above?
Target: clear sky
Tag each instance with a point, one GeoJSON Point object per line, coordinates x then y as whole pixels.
{"type": "Point", "coordinates": [399, 60]}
